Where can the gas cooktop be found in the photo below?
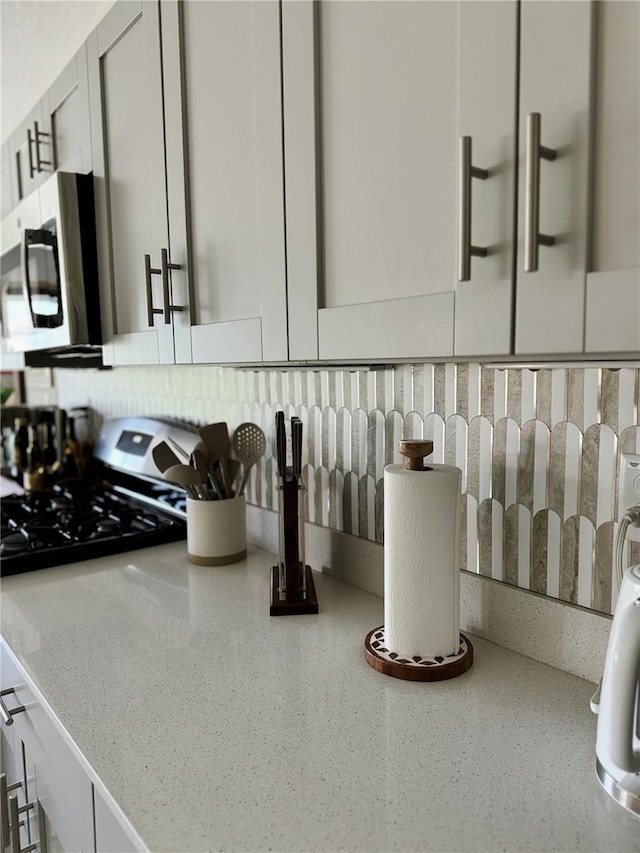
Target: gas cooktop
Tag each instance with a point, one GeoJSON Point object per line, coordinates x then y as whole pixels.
{"type": "Point", "coordinates": [76, 523]}
{"type": "Point", "coordinates": [128, 507]}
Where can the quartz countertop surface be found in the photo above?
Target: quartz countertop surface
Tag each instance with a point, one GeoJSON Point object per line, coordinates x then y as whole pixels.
{"type": "Point", "coordinates": [217, 727]}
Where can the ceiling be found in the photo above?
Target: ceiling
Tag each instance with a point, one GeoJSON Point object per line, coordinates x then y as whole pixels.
{"type": "Point", "coordinates": [37, 39]}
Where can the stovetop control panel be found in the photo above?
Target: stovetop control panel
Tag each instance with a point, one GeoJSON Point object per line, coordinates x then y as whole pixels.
{"type": "Point", "coordinates": [126, 444]}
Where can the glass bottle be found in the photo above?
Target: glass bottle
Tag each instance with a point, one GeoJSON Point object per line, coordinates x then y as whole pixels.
{"type": "Point", "coordinates": [19, 452]}
{"type": "Point", "coordinates": [70, 452]}
{"type": "Point", "coordinates": [34, 451]}
{"type": "Point", "coordinates": [50, 455]}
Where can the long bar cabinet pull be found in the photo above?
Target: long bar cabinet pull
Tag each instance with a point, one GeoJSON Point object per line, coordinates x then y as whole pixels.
{"type": "Point", "coordinates": [7, 715]}
{"type": "Point", "coordinates": [167, 308]}
{"type": "Point", "coordinates": [30, 142]}
{"type": "Point", "coordinates": [15, 811]}
{"type": "Point", "coordinates": [39, 136]}
{"type": "Point", "coordinates": [166, 290]}
{"type": "Point", "coordinates": [533, 239]}
{"type": "Point", "coordinates": [148, 272]}
{"type": "Point", "coordinates": [5, 823]}
{"type": "Point", "coordinates": [467, 171]}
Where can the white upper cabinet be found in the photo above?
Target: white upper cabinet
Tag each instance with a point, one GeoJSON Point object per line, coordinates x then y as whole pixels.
{"type": "Point", "coordinates": [554, 115]}
{"type": "Point", "coordinates": [579, 101]}
{"type": "Point", "coordinates": [372, 156]}
{"type": "Point", "coordinates": [613, 279]}
{"type": "Point", "coordinates": [231, 143]}
{"type": "Point", "coordinates": [54, 135]}
{"type": "Point", "coordinates": [461, 178]}
{"type": "Point", "coordinates": [187, 128]}
{"type": "Point", "coordinates": [67, 118]}
{"type": "Point", "coordinates": [486, 177]}
{"type": "Point", "coordinates": [139, 290]}
{"type": "Point", "coordinates": [6, 184]}
{"type": "Point", "coordinates": [30, 153]}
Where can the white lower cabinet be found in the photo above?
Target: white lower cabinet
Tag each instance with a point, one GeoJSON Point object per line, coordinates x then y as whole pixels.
{"type": "Point", "coordinates": [41, 768]}
{"type": "Point", "coordinates": [110, 836]}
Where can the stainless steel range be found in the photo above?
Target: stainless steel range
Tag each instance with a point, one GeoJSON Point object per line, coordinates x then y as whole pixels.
{"type": "Point", "coordinates": [128, 506]}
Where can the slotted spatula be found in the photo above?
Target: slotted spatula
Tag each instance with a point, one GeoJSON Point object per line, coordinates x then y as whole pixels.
{"type": "Point", "coordinates": [249, 444]}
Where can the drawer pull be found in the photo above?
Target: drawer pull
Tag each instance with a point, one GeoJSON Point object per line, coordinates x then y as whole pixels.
{"type": "Point", "coordinates": [7, 715]}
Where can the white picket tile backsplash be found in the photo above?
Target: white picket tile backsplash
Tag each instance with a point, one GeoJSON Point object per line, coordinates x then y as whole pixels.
{"type": "Point", "coordinates": [539, 450]}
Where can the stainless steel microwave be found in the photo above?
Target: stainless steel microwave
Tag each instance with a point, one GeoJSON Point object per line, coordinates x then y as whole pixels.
{"type": "Point", "coordinates": [49, 294]}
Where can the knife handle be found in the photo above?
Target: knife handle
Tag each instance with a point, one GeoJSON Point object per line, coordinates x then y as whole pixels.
{"type": "Point", "coordinates": [281, 443]}
{"type": "Point", "coordinates": [296, 444]}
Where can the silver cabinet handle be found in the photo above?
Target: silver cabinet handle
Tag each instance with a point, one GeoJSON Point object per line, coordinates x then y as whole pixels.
{"type": "Point", "coordinates": [167, 308]}
{"type": "Point", "coordinates": [4, 810]}
{"type": "Point", "coordinates": [30, 141]}
{"type": "Point", "coordinates": [465, 248]}
{"type": "Point", "coordinates": [148, 272]}
{"type": "Point", "coordinates": [166, 266]}
{"type": "Point", "coordinates": [4, 807]}
{"type": "Point", "coordinates": [7, 715]}
{"type": "Point", "coordinates": [535, 152]}
{"type": "Point", "coordinates": [15, 811]}
{"type": "Point", "coordinates": [39, 136]}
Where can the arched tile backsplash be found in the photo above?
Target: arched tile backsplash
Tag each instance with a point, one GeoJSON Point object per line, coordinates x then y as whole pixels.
{"type": "Point", "coordinates": [539, 450]}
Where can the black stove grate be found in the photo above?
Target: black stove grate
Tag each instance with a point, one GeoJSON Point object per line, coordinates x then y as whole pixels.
{"type": "Point", "coordinates": [72, 523]}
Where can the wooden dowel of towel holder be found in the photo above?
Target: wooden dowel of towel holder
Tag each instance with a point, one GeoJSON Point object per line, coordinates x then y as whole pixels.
{"type": "Point", "coordinates": [415, 451]}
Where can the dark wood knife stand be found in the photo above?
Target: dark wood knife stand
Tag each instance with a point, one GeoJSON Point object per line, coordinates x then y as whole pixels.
{"type": "Point", "coordinates": [293, 591]}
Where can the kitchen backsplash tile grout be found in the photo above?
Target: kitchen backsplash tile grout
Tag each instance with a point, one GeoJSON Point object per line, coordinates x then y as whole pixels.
{"type": "Point", "coordinates": [539, 450]}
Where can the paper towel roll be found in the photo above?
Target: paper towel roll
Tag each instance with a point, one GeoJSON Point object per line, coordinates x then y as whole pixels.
{"type": "Point", "coordinates": [421, 569]}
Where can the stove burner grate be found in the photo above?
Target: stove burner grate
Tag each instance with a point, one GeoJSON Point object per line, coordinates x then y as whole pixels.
{"type": "Point", "coordinates": [69, 524]}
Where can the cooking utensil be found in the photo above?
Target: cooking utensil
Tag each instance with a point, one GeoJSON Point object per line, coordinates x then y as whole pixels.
{"type": "Point", "coordinates": [249, 444]}
{"type": "Point", "coordinates": [233, 466]}
{"type": "Point", "coordinates": [188, 478]}
{"type": "Point", "coordinates": [164, 457]}
{"type": "Point", "coordinates": [216, 439]}
{"type": "Point", "coordinates": [200, 462]}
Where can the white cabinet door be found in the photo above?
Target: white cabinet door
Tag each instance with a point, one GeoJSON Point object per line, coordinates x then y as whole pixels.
{"type": "Point", "coordinates": [555, 84]}
{"type": "Point", "coordinates": [231, 141]}
{"type": "Point", "coordinates": [111, 837]}
{"type": "Point", "coordinates": [31, 153]}
{"type": "Point", "coordinates": [488, 60]}
{"type": "Point", "coordinates": [370, 107]}
{"type": "Point", "coordinates": [371, 130]}
{"type": "Point", "coordinates": [127, 126]}
{"type": "Point", "coordinates": [53, 774]}
{"type": "Point", "coordinates": [6, 183]}
{"type": "Point", "coordinates": [613, 281]}
{"type": "Point", "coordinates": [66, 109]}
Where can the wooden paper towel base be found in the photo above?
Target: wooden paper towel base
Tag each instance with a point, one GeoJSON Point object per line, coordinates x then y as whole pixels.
{"type": "Point", "coordinates": [416, 668]}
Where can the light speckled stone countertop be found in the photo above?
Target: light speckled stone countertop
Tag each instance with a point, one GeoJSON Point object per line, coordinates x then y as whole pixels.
{"type": "Point", "coordinates": [217, 727]}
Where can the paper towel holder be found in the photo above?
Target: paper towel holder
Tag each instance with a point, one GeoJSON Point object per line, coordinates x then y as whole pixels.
{"type": "Point", "coordinates": [378, 654]}
{"type": "Point", "coordinates": [414, 450]}
{"type": "Point", "coordinates": [416, 668]}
